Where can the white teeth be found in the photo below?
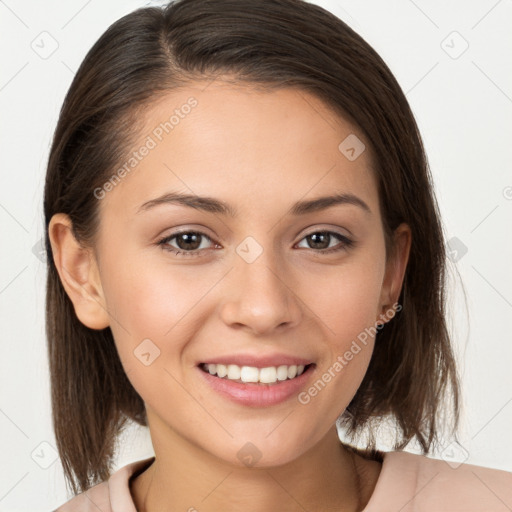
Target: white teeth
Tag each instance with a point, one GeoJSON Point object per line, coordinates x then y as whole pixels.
{"type": "Point", "coordinates": [282, 372]}
{"type": "Point", "coordinates": [234, 372]}
{"type": "Point", "coordinates": [292, 371]}
{"type": "Point", "coordinates": [268, 375]}
{"type": "Point", "coordinates": [249, 374]}
{"type": "Point", "coordinates": [222, 370]}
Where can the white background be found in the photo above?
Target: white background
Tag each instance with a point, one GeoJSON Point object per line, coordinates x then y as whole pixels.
{"type": "Point", "coordinates": [463, 106]}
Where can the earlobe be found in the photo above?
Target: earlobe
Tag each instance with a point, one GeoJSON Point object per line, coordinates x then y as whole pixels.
{"type": "Point", "coordinates": [78, 272]}
{"type": "Point", "coordinates": [395, 269]}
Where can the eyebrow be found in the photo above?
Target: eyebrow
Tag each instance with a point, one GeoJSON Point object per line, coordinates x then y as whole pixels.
{"type": "Point", "coordinates": [212, 205]}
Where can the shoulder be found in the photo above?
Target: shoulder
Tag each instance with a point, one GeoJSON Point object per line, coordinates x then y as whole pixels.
{"type": "Point", "coordinates": [94, 499]}
{"type": "Point", "coordinates": [416, 482]}
{"type": "Point", "coordinates": [111, 495]}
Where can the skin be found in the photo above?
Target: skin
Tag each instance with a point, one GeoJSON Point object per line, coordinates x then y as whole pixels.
{"type": "Point", "coordinates": [260, 152]}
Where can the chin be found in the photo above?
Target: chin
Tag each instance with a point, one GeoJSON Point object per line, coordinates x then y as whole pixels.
{"type": "Point", "coordinates": [259, 451]}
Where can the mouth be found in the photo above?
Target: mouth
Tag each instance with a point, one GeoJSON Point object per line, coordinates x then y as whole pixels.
{"type": "Point", "coordinates": [268, 376]}
{"type": "Point", "coordinates": [256, 380]}
{"type": "Point", "coordinates": [256, 386]}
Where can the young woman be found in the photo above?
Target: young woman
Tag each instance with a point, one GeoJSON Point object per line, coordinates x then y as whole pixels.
{"type": "Point", "coordinates": [246, 255]}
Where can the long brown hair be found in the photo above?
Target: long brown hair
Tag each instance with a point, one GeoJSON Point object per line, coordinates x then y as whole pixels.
{"type": "Point", "coordinates": [271, 44]}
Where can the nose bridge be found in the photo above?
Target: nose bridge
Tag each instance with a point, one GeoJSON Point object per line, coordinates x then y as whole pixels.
{"type": "Point", "coordinates": [258, 296]}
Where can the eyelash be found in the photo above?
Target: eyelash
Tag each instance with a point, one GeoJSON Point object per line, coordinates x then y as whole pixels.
{"type": "Point", "coordinates": [344, 246]}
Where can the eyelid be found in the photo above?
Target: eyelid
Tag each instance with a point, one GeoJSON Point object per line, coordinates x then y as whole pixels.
{"type": "Point", "coordinates": [201, 230]}
{"type": "Point", "coordinates": [315, 228]}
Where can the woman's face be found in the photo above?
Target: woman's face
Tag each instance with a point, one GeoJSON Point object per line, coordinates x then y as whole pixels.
{"type": "Point", "coordinates": [259, 282]}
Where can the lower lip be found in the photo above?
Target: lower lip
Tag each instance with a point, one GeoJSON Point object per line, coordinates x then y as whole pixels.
{"type": "Point", "coordinates": [257, 395]}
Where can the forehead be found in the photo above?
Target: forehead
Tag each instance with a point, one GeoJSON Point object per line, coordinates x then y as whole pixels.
{"type": "Point", "coordinates": [250, 146]}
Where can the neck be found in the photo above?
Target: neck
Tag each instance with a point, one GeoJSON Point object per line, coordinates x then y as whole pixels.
{"type": "Point", "coordinates": [185, 477]}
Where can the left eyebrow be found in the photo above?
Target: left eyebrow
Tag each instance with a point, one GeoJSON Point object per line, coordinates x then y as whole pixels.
{"type": "Point", "coordinates": [212, 205]}
{"type": "Point", "coordinates": [321, 203]}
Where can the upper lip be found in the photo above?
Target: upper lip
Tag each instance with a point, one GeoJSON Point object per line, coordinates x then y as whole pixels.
{"type": "Point", "coordinates": [258, 361]}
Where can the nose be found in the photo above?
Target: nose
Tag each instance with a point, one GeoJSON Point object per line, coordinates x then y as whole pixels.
{"type": "Point", "coordinates": [258, 298]}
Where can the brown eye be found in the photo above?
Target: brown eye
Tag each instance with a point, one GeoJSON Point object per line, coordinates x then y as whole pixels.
{"type": "Point", "coordinates": [187, 242]}
{"type": "Point", "coordinates": [321, 241]}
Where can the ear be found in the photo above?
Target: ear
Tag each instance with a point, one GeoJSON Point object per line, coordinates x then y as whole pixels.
{"type": "Point", "coordinates": [395, 270]}
{"type": "Point", "coordinates": [78, 272]}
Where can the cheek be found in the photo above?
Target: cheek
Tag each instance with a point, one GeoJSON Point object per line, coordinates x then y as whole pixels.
{"type": "Point", "coordinates": [142, 302]}
{"type": "Point", "coordinates": [348, 313]}
{"type": "Point", "coordinates": [150, 304]}
{"type": "Point", "coordinates": [151, 297]}
{"type": "Point", "coordinates": [347, 299]}
{"type": "Point", "coordinates": [156, 301]}
{"type": "Point", "coordinates": [347, 304]}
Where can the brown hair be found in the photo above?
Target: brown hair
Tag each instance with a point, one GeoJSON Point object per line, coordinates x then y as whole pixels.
{"type": "Point", "coordinates": [276, 44]}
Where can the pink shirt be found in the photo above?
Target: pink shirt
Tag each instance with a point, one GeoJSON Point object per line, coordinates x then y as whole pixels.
{"type": "Point", "coordinates": [407, 483]}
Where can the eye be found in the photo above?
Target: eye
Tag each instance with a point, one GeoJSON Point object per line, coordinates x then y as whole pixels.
{"type": "Point", "coordinates": [321, 241]}
{"type": "Point", "coordinates": [189, 243]}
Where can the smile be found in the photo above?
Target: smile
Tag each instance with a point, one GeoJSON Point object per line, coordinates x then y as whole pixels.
{"type": "Point", "coordinates": [267, 375]}
{"type": "Point", "coordinates": [256, 392]}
